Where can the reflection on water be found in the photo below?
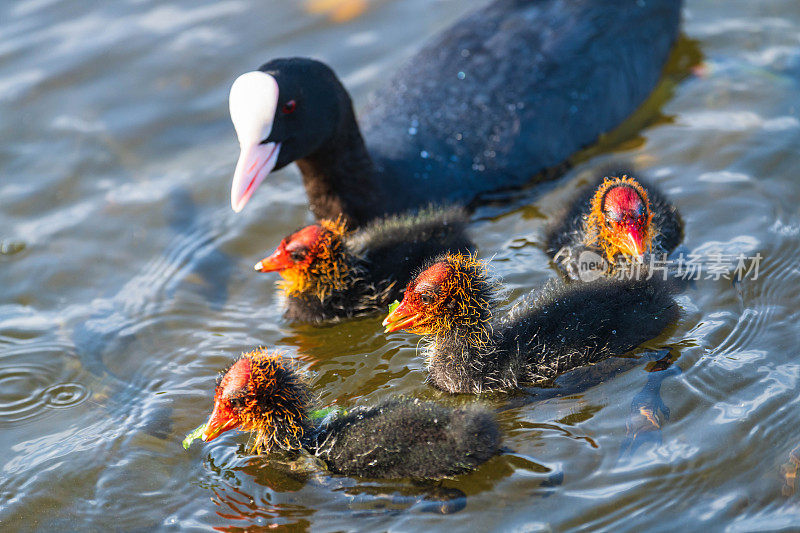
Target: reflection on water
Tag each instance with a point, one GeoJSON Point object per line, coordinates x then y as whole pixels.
{"type": "Point", "coordinates": [790, 472]}
{"type": "Point", "coordinates": [648, 413]}
{"type": "Point", "coordinates": [127, 284]}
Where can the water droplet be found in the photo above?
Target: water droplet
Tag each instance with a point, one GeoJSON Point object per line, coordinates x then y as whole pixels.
{"type": "Point", "coordinates": [424, 154]}
{"type": "Point", "coordinates": [461, 75]}
{"type": "Point", "coordinates": [412, 130]}
{"type": "Point", "coordinates": [465, 53]}
{"type": "Point", "coordinates": [459, 136]}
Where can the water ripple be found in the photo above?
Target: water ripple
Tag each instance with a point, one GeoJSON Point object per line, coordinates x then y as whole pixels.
{"type": "Point", "coordinates": [64, 395]}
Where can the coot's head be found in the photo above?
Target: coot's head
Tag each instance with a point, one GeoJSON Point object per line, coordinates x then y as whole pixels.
{"type": "Point", "coordinates": [620, 221]}
{"type": "Point", "coordinates": [263, 394]}
{"type": "Point", "coordinates": [284, 111]}
{"type": "Point", "coordinates": [454, 294]}
{"type": "Point", "coordinates": [312, 260]}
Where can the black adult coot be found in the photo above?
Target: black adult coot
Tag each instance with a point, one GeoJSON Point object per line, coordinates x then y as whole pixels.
{"type": "Point", "coordinates": [618, 218]}
{"type": "Point", "coordinates": [474, 349]}
{"type": "Point", "coordinates": [397, 438]}
{"type": "Point", "coordinates": [331, 274]}
{"type": "Point", "coordinates": [506, 93]}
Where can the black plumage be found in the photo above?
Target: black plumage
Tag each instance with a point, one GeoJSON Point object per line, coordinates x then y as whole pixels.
{"type": "Point", "coordinates": [377, 259]}
{"type": "Point", "coordinates": [475, 348]}
{"type": "Point", "coordinates": [503, 96]}
{"type": "Point", "coordinates": [398, 438]}
{"type": "Point", "coordinates": [565, 237]}
{"type": "Point", "coordinates": [401, 437]}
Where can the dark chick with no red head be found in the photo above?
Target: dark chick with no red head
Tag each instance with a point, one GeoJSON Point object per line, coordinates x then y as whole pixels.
{"type": "Point", "coordinates": [330, 273]}
{"type": "Point", "coordinates": [474, 347]}
{"type": "Point", "coordinates": [620, 218]}
{"type": "Point", "coordinates": [397, 438]}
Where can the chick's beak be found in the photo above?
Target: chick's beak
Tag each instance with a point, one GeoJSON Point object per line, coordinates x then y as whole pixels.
{"type": "Point", "coordinates": [634, 242]}
{"type": "Point", "coordinates": [221, 420]}
{"type": "Point", "coordinates": [403, 317]}
{"type": "Point", "coordinates": [279, 260]}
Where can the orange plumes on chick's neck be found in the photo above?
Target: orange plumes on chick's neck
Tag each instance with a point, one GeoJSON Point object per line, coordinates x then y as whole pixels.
{"type": "Point", "coordinates": [620, 221]}
{"type": "Point", "coordinates": [263, 394]}
{"type": "Point", "coordinates": [453, 295]}
{"type": "Point", "coordinates": [312, 261]}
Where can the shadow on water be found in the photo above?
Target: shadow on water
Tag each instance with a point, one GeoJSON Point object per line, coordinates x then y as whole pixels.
{"type": "Point", "coordinates": [257, 490]}
{"type": "Point", "coordinates": [277, 473]}
{"type": "Point", "coordinates": [584, 378]}
{"type": "Point", "coordinates": [192, 263]}
{"type": "Point", "coordinates": [648, 413]}
{"type": "Point", "coordinates": [208, 270]}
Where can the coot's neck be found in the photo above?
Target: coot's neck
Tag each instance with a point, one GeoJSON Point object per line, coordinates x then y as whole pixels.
{"type": "Point", "coordinates": [474, 360]}
{"type": "Point", "coordinates": [359, 294]}
{"type": "Point", "coordinates": [456, 359]}
{"type": "Point", "coordinates": [340, 177]}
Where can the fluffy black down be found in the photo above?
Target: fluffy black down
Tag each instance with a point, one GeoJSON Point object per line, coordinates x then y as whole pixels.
{"type": "Point", "coordinates": [554, 330]}
{"type": "Point", "coordinates": [407, 438]}
{"type": "Point", "coordinates": [566, 233]}
{"type": "Point", "coordinates": [383, 255]}
{"type": "Point", "coordinates": [566, 326]}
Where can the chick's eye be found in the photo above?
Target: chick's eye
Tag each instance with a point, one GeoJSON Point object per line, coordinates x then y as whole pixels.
{"type": "Point", "coordinates": [237, 402]}
{"type": "Point", "coordinates": [289, 107]}
{"type": "Point", "coordinates": [297, 255]}
{"type": "Point", "coordinates": [237, 399]}
{"type": "Point", "coordinates": [427, 299]}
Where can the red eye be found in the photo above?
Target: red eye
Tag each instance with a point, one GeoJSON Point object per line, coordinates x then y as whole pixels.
{"type": "Point", "coordinates": [289, 107]}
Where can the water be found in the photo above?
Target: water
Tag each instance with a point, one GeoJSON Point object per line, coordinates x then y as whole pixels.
{"type": "Point", "coordinates": [127, 284]}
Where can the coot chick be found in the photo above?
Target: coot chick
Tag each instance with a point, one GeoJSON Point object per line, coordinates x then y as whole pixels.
{"type": "Point", "coordinates": [331, 274]}
{"type": "Point", "coordinates": [505, 95]}
{"type": "Point", "coordinates": [473, 348]}
{"type": "Point", "coordinates": [261, 393]}
{"type": "Point", "coordinates": [618, 218]}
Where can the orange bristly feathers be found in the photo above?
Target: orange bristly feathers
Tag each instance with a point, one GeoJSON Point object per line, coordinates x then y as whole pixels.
{"type": "Point", "coordinates": [598, 233]}
{"type": "Point", "coordinates": [276, 412]}
{"type": "Point", "coordinates": [469, 286]}
{"type": "Point", "coordinates": [328, 270]}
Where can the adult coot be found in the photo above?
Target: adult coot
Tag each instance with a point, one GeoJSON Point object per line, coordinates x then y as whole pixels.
{"type": "Point", "coordinates": [506, 93]}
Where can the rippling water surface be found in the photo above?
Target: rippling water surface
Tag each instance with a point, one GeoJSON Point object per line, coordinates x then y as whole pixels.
{"type": "Point", "coordinates": [126, 283]}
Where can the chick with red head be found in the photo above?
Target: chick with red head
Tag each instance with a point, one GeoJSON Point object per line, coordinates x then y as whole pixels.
{"type": "Point", "coordinates": [262, 393]}
{"type": "Point", "coordinates": [475, 346]}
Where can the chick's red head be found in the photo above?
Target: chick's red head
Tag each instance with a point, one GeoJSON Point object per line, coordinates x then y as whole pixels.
{"type": "Point", "coordinates": [311, 260]}
{"type": "Point", "coordinates": [452, 294]}
{"type": "Point", "coordinates": [620, 221]}
{"type": "Point", "coordinates": [263, 394]}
